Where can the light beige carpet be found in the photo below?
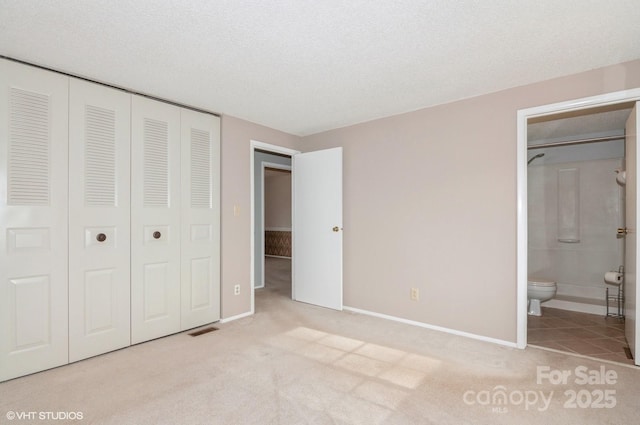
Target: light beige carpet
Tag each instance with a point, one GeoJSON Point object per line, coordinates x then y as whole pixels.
{"type": "Point", "coordinates": [293, 363]}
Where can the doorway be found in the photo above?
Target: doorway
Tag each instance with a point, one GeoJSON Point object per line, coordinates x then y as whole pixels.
{"type": "Point", "coordinates": [316, 224]}
{"type": "Point", "coordinates": [263, 157]}
{"type": "Point", "coordinates": [525, 117]}
{"type": "Point", "coordinates": [575, 206]}
{"type": "Point", "coordinates": [277, 226]}
{"type": "Point", "coordinates": [273, 210]}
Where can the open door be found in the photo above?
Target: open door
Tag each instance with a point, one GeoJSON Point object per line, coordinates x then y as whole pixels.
{"type": "Point", "coordinates": [317, 228]}
{"type": "Point", "coordinates": [631, 239]}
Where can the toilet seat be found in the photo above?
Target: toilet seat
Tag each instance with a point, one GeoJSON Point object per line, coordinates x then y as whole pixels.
{"type": "Point", "coordinates": [540, 282]}
{"type": "Point", "coordinates": [538, 291]}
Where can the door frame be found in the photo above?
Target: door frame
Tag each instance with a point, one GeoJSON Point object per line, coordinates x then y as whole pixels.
{"type": "Point", "coordinates": [253, 146]}
{"type": "Point", "coordinates": [266, 165]}
{"type": "Point", "coordinates": [623, 96]}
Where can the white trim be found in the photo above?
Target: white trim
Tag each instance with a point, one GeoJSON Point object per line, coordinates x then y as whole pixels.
{"type": "Point", "coordinates": [277, 229]}
{"type": "Point", "coordinates": [253, 145]}
{"type": "Point", "coordinates": [273, 148]}
{"type": "Point", "coordinates": [293, 227]}
{"type": "Point", "coordinates": [236, 317]}
{"type": "Point", "coordinates": [276, 166]}
{"type": "Point", "coordinates": [432, 327]}
{"type": "Point", "coordinates": [521, 174]}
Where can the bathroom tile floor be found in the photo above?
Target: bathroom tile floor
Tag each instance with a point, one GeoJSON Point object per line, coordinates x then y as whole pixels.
{"type": "Point", "coordinates": [581, 333]}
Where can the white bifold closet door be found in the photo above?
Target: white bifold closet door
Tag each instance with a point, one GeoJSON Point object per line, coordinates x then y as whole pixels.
{"type": "Point", "coordinates": [200, 219]}
{"type": "Point", "coordinates": [155, 219]}
{"type": "Point", "coordinates": [33, 220]}
{"type": "Point", "coordinates": [99, 302]}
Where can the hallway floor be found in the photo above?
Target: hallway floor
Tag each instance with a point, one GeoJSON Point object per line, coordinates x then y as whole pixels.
{"type": "Point", "coordinates": [581, 333]}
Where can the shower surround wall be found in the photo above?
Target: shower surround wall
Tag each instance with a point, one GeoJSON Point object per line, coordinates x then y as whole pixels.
{"type": "Point", "coordinates": [578, 268]}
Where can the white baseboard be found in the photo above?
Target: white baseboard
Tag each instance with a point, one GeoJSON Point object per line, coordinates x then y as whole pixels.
{"type": "Point", "coordinates": [432, 327]}
{"type": "Point", "coordinates": [236, 317]}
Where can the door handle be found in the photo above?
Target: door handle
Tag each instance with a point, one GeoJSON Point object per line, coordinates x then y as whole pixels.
{"type": "Point", "coordinates": [336, 229]}
{"type": "Point", "coordinates": [622, 231]}
{"type": "Point", "coordinates": [101, 237]}
{"type": "Point", "coordinates": [157, 235]}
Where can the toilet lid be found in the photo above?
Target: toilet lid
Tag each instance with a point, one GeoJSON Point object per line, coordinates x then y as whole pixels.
{"type": "Point", "coordinates": [540, 282]}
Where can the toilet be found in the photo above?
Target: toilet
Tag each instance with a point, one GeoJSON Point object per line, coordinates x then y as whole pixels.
{"type": "Point", "coordinates": [539, 290]}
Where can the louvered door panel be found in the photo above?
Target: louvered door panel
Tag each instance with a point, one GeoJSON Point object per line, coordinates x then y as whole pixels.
{"type": "Point", "coordinates": [155, 219]}
{"type": "Point", "coordinates": [200, 218]}
{"type": "Point", "coordinates": [100, 131]}
{"type": "Point", "coordinates": [28, 165]}
{"type": "Point", "coordinates": [155, 163]}
{"type": "Point", "coordinates": [33, 219]}
{"type": "Point", "coordinates": [99, 245]}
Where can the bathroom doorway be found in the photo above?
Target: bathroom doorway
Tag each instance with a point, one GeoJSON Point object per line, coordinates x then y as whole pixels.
{"type": "Point", "coordinates": [567, 222]}
{"type": "Point", "coordinates": [575, 203]}
{"type": "Point", "coordinates": [575, 206]}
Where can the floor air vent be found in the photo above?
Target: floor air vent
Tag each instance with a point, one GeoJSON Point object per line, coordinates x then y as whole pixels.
{"type": "Point", "coordinates": [203, 331]}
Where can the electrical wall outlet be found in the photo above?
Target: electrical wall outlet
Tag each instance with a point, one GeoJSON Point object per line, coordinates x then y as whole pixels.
{"type": "Point", "coordinates": [236, 290]}
{"type": "Point", "coordinates": [414, 294]}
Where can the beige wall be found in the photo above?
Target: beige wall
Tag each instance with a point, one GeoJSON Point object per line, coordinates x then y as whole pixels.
{"type": "Point", "coordinates": [235, 230]}
{"type": "Point", "coordinates": [277, 200]}
{"type": "Point", "coordinates": [430, 202]}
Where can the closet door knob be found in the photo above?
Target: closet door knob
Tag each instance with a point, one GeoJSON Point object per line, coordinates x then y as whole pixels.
{"type": "Point", "coordinates": [101, 237]}
{"type": "Point", "coordinates": [156, 235]}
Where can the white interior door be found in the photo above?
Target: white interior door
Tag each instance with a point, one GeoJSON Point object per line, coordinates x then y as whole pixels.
{"type": "Point", "coordinates": [33, 219]}
{"type": "Point", "coordinates": [317, 228]}
{"type": "Point", "coordinates": [155, 219]}
{"type": "Point", "coordinates": [632, 331]}
{"type": "Point", "coordinates": [200, 217]}
{"type": "Point", "coordinates": [99, 245]}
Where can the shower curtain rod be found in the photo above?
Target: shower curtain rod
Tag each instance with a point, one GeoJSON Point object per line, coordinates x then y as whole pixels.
{"type": "Point", "coordinates": [575, 142]}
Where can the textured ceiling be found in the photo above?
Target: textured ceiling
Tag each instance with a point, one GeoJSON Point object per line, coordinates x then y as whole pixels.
{"type": "Point", "coordinates": [308, 66]}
